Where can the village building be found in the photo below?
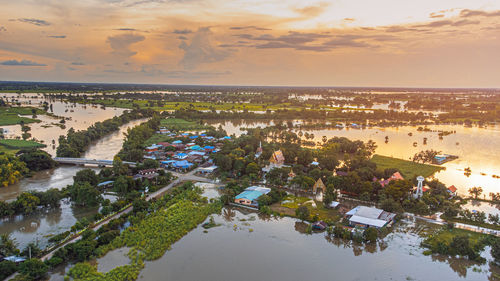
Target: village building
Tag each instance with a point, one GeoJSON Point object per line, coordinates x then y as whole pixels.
{"type": "Point", "coordinates": [319, 185]}
{"type": "Point", "coordinates": [365, 217]}
{"type": "Point", "coordinates": [146, 174]}
{"type": "Point", "coordinates": [250, 195]}
{"type": "Point", "coordinates": [393, 177]}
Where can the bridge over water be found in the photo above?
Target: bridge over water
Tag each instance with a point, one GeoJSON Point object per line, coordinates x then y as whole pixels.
{"type": "Point", "coordinates": [85, 161]}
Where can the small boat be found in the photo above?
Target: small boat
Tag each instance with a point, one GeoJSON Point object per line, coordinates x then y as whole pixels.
{"type": "Point", "coordinates": [319, 225]}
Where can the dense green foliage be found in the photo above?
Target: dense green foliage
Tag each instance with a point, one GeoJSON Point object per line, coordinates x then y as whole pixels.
{"type": "Point", "coordinates": [37, 160]}
{"type": "Point", "coordinates": [12, 169]}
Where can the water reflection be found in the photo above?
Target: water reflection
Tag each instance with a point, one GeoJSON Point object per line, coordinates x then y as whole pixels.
{"type": "Point", "coordinates": [475, 147]}
{"type": "Point", "coordinates": [277, 249]}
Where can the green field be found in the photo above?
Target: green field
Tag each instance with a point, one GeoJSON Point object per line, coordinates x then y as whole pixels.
{"type": "Point", "coordinates": [408, 168]}
{"type": "Point", "coordinates": [20, 144]}
{"type": "Point", "coordinates": [10, 115]}
{"type": "Point", "coordinates": [177, 124]}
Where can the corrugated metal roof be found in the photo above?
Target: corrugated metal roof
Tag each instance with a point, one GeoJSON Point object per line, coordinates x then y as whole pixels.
{"type": "Point", "coordinates": [249, 194]}
{"type": "Point", "coordinates": [367, 221]}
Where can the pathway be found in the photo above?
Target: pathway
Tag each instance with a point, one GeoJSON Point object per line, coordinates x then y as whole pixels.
{"type": "Point", "coordinates": [180, 178]}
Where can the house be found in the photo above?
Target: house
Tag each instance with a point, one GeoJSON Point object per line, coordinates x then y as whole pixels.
{"type": "Point", "coordinates": [177, 142]}
{"type": "Point", "coordinates": [209, 148]}
{"type": "Point", "coordinates": [181, 155]}
{"type": "Point", "coordinates": [339, 173]}
{"type": "Point", "coordinates": [196, 147]}
{"type": "Point", "coordinates": [250, 195]}
{"type": "Point", "coordinates": [207, 170]}
{"type": "Point", "coordinates": [277, 158]}
{"type": "Point", "coordinates": [248, 198]}
{"type": "Point", "coordinates": [395, 176]}
{"type": "Point", "coordinates": [319, 184]}
{"type": "Point", "coordinates": [153, 148]}
{"type": "Point", "coordinates": [452, 190]}
{"type": "Point", "coordinates": [182, 164]}
{"type": "Point", "coordinates": [105, 184]}
{"type": "Point", "coordinates": [365, 217]}
{"type": "Point", "coordinates": [146, 174]}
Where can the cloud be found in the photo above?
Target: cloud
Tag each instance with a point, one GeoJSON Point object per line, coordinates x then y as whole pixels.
{"type": "Point", "coordinates": [182, 31]}
{"type": "Point", "coordinates": [21, 63]}
{"type": "Point", "coordinates": [436, 15]}
{"type": "Point", "coordinates": [248, 27]}
{"type": "Point", "coordinates": [77, 63]}
{"type": "Point", "coordinates": [312, 11]}
{"type": "Point", "coordinates": [349, 19]}
{"type": "Point", "coordinates": [57, 36]}
{"type": "Point", "coordinates": [125, 29]}
{"type": "Point", "coordinates": [121, 43]}
{"type": "Point", "coordinates": [474, 13]}
{"type": "Point", "coordinates": [201, 50]}
{"type": "Point", "coordinates": [442, 23]}
{"type": "Point", "coordinates": [36, 22]}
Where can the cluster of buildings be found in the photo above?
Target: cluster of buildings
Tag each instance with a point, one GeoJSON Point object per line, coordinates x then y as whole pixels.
{"type": "Point", "coordinates": [185, 152]}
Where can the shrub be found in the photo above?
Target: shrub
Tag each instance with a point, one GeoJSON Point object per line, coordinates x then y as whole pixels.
{"type": "Point", "coordinates": [33, 268]}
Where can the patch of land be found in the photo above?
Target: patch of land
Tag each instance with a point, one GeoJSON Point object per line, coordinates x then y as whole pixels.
{"type": "Point", "coordinates": [409, 169]}
{"type": "Point", "coordinates": [20, 144]}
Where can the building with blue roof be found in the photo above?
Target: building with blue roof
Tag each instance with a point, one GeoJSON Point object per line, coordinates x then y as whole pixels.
{"type": "Point", "coordinates": [248, 197]}
{"type": "Point", "coordinates": [182, 164]}
{"type": "Point", "coordinates": [195, 147]}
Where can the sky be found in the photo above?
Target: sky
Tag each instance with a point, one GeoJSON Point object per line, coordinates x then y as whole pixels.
{"type": "Point", "coordinates": [379, 43]}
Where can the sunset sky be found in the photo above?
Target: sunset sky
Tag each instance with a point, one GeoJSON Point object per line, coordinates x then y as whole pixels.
{"type": "Point", "coordinates": [400, 43]}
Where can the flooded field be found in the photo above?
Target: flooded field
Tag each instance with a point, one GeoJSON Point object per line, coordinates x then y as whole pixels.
{"type": "Point", "coordinates": [44, 223]}
{"type": "Point", "coordinates": [476, 148]}
{"type": "Point", "coordinates": [81, 117]}
{"type": "Point", "coordinates": [280, 250]}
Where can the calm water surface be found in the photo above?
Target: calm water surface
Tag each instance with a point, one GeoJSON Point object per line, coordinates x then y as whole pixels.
{"type": "Point", "coordinates": [248, 247]}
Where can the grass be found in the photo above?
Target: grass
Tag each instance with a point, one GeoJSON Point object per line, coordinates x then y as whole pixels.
{"type": "Point", "coordinates": [177, 124]}
{"type": "Point", "coordinates": [409, 169]}
{"type": "Point", "coordinates": [291, 203]}
{"type": "Point", "coordinates": [446, 236]}
{"type": "Point", "coordinates": [10, 115]}
{"type": "Point", "coordinates": [156, 138]}
{"type": "Point", "coordinates": [20, 144]}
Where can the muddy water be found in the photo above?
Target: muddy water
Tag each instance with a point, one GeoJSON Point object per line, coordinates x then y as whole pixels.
{"type": "Point", "coordinates": [81, 117]}
{"type": "Point", "coordinates": [247, 247]}
{"type": "Point", "coordinates": [477, 148]}
{"type": "Point", "coordinates": [44, 223]}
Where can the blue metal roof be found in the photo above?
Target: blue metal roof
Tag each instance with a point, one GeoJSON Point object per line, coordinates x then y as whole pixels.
{"type": "Point", "coordinates": [105, 183]}
{"type": "Point", "coordinates": [249, 194]}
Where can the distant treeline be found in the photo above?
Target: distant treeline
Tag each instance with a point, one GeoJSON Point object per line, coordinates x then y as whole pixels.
{"type": "Point", "coordinates": [76, 142]}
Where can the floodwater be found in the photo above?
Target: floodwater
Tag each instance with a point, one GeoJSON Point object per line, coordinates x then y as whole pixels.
{"type": "Point", "coordinates": [249, 247]}
{"type": "Point", "coordinates": [39, 226]}
{"type": "Point", "coordinates": [81, 117]}
{"type": "Point", "coordinates": [476, 148]}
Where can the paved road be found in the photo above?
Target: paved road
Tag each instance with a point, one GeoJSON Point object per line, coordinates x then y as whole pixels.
{"type": "Point", "coordinates": [180, 178]}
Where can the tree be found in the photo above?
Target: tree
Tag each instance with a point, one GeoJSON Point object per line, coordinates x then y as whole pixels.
{"type": "Point", "coordinates": [7, 245]}
{"type": "Point", "coordinates": [86, 175]}
{"type": "Point", "coordinates": [495, 250]}
{"type": "Point", "coordinates": [33, 268]}
{"type": "Point", "coordinates": [302, 213]}
{"type": "Point", "coordinates": [252, 168]}
{"type": "Point", "coordinates": [37, 160]}
{"type": "Point", "coordinates": [475, 191]}
{"type": "Point", "coordinates": [82, 193]}
{"type": "Point", "coordinates": [121, 186]}
{"type": "Point", "coordinates": [370, 234]}
{"type": "Point", "coordinates": [7, 268]}
{"type": "Point", "coordinates": [118, 167]}
{"type": "Point", "coordinates": [27, 202]}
